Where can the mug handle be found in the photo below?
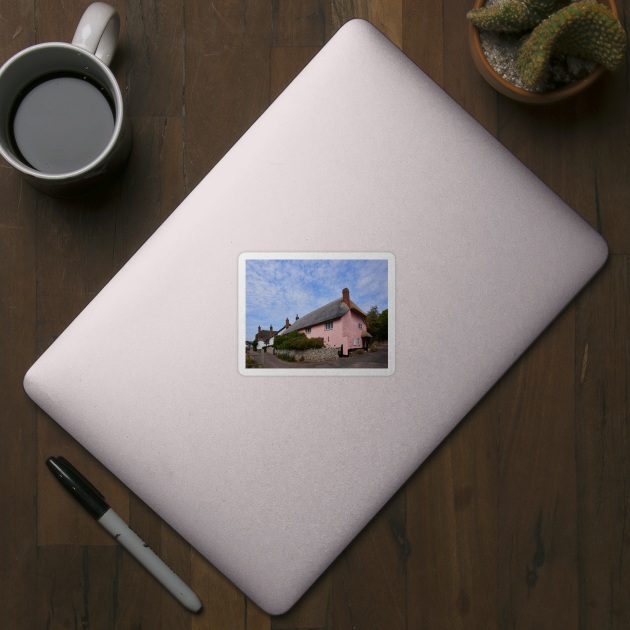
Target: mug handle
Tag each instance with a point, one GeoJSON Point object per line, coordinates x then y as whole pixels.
{"type": "Point", "coordinates": [98, 30]}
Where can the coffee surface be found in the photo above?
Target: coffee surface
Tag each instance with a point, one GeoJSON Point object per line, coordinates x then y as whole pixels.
{"type": "Point", "coordinates": [62, 124]}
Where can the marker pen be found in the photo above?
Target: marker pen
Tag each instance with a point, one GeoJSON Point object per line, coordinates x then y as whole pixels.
{"type": "Point", "coordinates": [94, 502]}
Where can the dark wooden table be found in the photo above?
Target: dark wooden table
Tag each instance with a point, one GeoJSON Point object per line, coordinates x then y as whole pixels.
{"type": "Point", "coordinates": [518, 520]}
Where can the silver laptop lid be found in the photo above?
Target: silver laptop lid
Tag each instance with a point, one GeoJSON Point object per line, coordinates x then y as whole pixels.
{"type": "Point", "coordinates": [270, 478]}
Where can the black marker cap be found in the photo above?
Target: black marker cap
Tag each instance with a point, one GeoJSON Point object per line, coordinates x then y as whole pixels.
{"type": "Point", "coordinates": [78, 486]}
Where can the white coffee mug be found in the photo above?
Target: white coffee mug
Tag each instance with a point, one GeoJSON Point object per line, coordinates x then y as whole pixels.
{"type": "Point", "coordinates": [74, 83]}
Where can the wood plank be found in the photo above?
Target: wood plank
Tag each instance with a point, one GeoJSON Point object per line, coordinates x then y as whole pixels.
{"type": "Point", "coordinates": [608, 127]}
{"type": "Point", "coordinates": [300, 23]}
{"type": "Point", "coordinates": [558, 147]}
{"type": "Point", "coordinates": [171, 158]}
{"type": "Point", "coordinates": [142, 600]}
{"type": "Point", "coordinates": [313, 610]}
{"type": "Point", "coordinates": [602, 382]}
{"type": "Point", "coordinates": [18, 421]}
{"type": "Point", "coordinates": [226, 78]}
{"type": "Point", "coordinates": [152, 185]}
{"type": "Point", "coordinates": [452, 526]}
{"type": "Point", "coordinates": [285, 64]}
{"type": "Point", "coordinates": [224, 606]}
{"type": "Point", "coordinates": [578, 148]}
{"type": "Point", "coordinates": [537, 537]}
{"type": "Point", "coordinates": [423, 36]}
{"type": "Point", "coordinates": [18, 415]}
{"type": "Point", "coordinates": [57, 23]}
{"type": "Point", "coordinates": [369, 577]}
{"type": "Point", "coordinates": [255, 618]}
{"type": "Point", "coordinates": [154, 57]}
{"type": "Point", "coordinates": [17, 28]}
{"type": "Point", "coordinates": [386, 15]}
{"type": "Point", "coordinates": [76, 587]}
{"type": "Point", "coordinates": [462, 80]}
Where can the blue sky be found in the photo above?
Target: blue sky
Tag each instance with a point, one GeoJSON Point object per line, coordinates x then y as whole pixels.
{"type": "Point", "coordinates": [277, 289]}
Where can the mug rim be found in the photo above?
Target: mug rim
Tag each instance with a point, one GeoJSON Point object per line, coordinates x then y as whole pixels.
{"type": "Point", "coordinates": [118, 122]}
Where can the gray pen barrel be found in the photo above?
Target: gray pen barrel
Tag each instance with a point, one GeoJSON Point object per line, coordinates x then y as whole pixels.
{"type": "Point", "coordinates": [149, 559]}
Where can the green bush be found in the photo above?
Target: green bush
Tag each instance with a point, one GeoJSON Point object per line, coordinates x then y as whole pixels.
{"type": "Point", "coordinates": [302, 358]}
{"type": "Point", "coordinates": [285, 357]}
{"type": "Point", "coordinates": [373, 349]}
{"type": "Point", "coordinates": [297, 341]}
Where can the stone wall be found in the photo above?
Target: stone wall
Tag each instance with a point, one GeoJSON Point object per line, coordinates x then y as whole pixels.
{"type": "Point", "coordinates": [314, 354]}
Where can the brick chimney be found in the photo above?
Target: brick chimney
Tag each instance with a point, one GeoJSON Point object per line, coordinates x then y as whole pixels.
{"type": "Point", "coordinates": [288, 322]}
{"type": "Point", "coordinates": [259, 330]}
{"type": "Point", "coordinates": [346, 297]}
{"type": "Point", "coordinates": [271, 331]}
{"type": "Point", "coordinates": [297, 317]}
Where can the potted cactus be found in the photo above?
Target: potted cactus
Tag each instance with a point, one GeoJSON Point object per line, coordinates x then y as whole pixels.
{"type": "Point", "coordinates": [558, 49]}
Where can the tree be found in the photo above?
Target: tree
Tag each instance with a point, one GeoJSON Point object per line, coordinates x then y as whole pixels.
{"type": "Point", "coordinates": [372, 315]}
{"type": "Point", "coordinates": [383, 324]}
{"type": "Point", "coordinates": [255, 344]}
{"type": "Point", "coordinates": [377, 324]}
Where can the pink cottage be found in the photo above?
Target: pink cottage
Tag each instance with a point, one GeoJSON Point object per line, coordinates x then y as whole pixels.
{"type": "Point", "coordinates": [342, 324]}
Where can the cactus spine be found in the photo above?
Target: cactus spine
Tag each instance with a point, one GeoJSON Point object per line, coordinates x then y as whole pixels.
{"type": "Point", "coordinates": [513, 16]}
{"type": "Point", "coordinates": [583, 29]}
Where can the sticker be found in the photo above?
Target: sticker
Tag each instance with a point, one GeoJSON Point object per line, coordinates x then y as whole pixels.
{"type": "Point", "coordinates": [316, 314]}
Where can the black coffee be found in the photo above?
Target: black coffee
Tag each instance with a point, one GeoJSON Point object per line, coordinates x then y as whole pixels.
{"type": "Point", "coordinates": [61, 123]}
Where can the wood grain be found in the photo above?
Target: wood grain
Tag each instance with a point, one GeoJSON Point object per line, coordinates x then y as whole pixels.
{"type": "Point", "coordinates": [386, 15]}
{"type": "Point", "coordinates": [76, 587]}
{"type": "Point", "coordinates": [300, 23]}
{"type": "Point", "coordinates": [602, 380]}
{"type": "Point", "coordinates": [517, 520]}
{"type": "Point", "coordinates": [226, 78]}
{"type": "Point", "coordinates": [461, 79]}
{"type": "Point", "coordinates": [143, 600]}
{"type": "Point", "coordinates": [154, 57]}
{"type": "Point", "coordinates": [369, 577]}
{"type": "Point", "coordinates": [18, 416]}
{"type": "Point", "coordinates": [452, 516]}
{"type": "Point", "coordinates": [537, 510]}
{"type": "Point", "coordinates": [224, 606]}
{"type": "Point", "coordinates": [285, 64]}
{"type": "Point", "coordinates": [313, 610]}
{"type": "Point", "coordinates": [422, 36]}
{"type": "Point", "coordinates": [151, 187]}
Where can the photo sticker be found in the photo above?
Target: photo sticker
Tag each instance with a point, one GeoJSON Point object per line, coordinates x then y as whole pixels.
{"type": "Point", "coordinates": [316, 314]}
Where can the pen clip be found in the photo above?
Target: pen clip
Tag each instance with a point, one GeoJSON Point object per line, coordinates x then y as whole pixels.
{"type": "Point", "coordinates": [69, 466]}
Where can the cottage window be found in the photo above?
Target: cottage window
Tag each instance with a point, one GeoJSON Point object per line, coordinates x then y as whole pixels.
{"type": "Point", "coordinates": [329, 325]}
{"type": "Point", "coordinates": [308, 330]}
{"type": "Point", "coordinates": [360, 326]}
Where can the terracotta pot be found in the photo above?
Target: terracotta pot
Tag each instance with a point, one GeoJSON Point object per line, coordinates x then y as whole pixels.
{"type": "Point", "coordinates": [518, 94]}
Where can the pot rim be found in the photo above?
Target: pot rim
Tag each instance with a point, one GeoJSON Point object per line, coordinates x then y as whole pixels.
{"type": "Point", "coordinates": [512, 91]}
